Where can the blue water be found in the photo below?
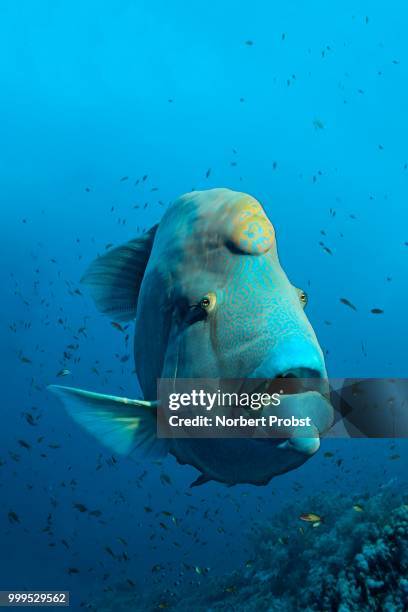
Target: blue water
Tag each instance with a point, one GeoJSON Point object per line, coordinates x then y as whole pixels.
{"type": "Point", "coordinates": [310, 119]}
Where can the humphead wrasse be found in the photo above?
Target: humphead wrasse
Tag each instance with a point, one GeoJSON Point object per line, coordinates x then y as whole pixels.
{"type": "Point", "coordinates": [210, 300]}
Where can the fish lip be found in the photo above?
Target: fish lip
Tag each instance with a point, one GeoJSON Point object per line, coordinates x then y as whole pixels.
{"type": "Point", "coordinates": [289, 385]}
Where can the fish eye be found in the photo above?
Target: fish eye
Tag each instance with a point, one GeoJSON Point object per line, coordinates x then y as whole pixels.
{"type": "Point", "coordinates": [207, 302]}
{"type": "Point", "coordinates": [303, 297]}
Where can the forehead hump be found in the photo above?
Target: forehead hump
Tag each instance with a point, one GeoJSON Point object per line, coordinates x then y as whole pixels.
{"type": "Point", "coordinates": [233, 218]}
{"type": "Point", "coordinates": [248, 228]}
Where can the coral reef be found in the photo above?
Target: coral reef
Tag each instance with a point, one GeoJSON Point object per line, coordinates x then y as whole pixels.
{"type": "Point", "coordinates": [354, 559]}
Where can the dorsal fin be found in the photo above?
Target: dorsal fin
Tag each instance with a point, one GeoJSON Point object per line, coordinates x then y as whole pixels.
{"type": "Point", "coordinates": [115, 278]}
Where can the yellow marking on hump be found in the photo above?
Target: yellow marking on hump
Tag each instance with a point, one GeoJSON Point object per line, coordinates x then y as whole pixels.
{"type": "Point", "coordinates": [250, 231]}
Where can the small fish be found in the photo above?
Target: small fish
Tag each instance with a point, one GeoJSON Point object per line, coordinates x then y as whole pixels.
{"type": "Point", "coordinates": [328, 454]}
{"type": "Point", "coordinates": [80, 507]}
{"type": "Point", "coordinates": [64, 372]}
{"type": "Point", "coordinates": [117, 326]}
{"type": "Point", "coordinates": [13, 517]}
{"type": "Point", "coordinates": [358, 508]}
{"type": "Point", "coordinates": [310, 517]}
{"type": "Point", "coordinates": [249, 43]}
{"type": "Point", "coordinates": [318, 124]}
{"type": "Point", "coordinates": [347, 302]}
{"type": "Point", "coordinates": [95, 513]}
{"type": "Point", "coordinates": [24, 444]}
{"type": "Point", "coordinates": [122, 541]}
{"type": "Point", "coordinates": [165, 479]}
{"type": "Point", "coordinates": [377, 311]}
{"type": "Point", "coordinates": [73, 570]}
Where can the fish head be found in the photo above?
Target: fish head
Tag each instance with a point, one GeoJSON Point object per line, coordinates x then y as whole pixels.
{"type": "Point", "coordinates": [218, 298]}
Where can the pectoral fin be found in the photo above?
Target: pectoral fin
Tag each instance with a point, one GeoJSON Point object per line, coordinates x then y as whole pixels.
{"type": "Point", "coordinates": [115, 277]}
{"type": "Point", "coordinates": [202, 479]}
{"type": "Point", "coordinates": [123, 425]}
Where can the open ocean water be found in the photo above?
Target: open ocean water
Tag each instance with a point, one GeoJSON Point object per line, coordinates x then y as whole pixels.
{"type": "Point", "coordinates": [109, 112]}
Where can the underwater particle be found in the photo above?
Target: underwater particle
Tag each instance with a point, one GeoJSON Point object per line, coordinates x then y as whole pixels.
{"type": "Point", "coordinates": [64, 372]}
{"type": "Point", "coordinates": [96, 513]}
{"type": "Point", "coordinates": [377, 311]}
{"type": "Point", "coordinates": [311, 517]}
{"type": "Point", "coordinates": [347, 302]}
{"type": "Point", "coordinates": [358, 508]}
{"type": "Point", "coordinates": [318, 124]}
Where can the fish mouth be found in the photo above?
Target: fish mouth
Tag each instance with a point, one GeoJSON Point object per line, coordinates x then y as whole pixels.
{"type": "Point", "coordinates": [291, 382]}
{"type": "Point", "coordinates": [304, 394]}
